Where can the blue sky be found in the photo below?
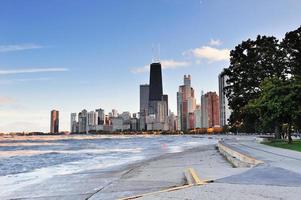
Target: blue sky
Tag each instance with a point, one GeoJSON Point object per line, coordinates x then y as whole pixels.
{"type": "Point", "coordinates": [75, 54]}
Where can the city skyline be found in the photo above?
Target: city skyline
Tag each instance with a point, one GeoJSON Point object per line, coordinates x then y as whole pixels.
{"type": "Point", "coordinates": [47, 62]}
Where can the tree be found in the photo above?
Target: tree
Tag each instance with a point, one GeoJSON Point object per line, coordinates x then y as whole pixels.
{"type": "Point", "coordinates": [291, 46]}
{"type": "Point", "coordinates": [278, 102]}
{"type": "Point", "coordinates": [251, 62]}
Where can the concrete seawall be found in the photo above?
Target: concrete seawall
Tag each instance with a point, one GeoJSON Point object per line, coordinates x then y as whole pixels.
{"type": "Point", "coordinates": [237, 158]}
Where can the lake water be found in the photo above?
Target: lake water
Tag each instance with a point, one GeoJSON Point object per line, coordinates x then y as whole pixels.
{"type": "Point", "coordinates": [26, 160]}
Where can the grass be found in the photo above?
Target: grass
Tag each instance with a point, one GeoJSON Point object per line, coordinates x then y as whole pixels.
{"type": "Point", "coordinates": [296, 145]}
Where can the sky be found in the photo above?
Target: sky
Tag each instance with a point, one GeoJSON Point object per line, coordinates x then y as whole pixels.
{"type": "Point", "coordinates": [75, 54]}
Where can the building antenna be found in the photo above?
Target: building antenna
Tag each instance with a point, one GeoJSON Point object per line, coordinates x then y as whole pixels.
{"type": "Point", "coordinates": [159, 49]}
{"type": "Point", "coordinates": [153, 53]}
{"type": "Point", "coordinates": [156, 53]}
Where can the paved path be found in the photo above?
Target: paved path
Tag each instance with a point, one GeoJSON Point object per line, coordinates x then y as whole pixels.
{"type": "Point", "coordinates": [167, 172]}
{"type": "Point", "coordinates": [278, 178]}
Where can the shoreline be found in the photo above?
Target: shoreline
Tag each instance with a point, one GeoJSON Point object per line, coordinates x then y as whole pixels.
{"type": "Point", "coordinates": [148, 177]}
{"type": "Point", "coordinates": [97, 179]}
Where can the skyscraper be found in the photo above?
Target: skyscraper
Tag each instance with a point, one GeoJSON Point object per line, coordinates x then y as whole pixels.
{"type": "Point", "coordinates": [186, 103]}
{"type": "Point", "coordinates": [100, 116]}
{"type": "Point", "coordinates": [155, 82]}
{"type": "Point", "coordinates": [204, 111]}
{"type": "Point", "coordinates": [54, 121]}
{"type": "Point", "coordinates": [92, 119]}
{"type": "Point", "coordinates": [210, 110]}
{"type": "Point", "coordinates": [198, 117]}
{"type": "Point", "coordinates": [83, 121]}
{"type": "Point", "coordinates": [73, 123]}
{"type": "Point", "coordinates": [144, 97]}
{"type": "Point", "coordinates": [157, 102]}
{"type": "Point", "coordinates": [223, 101]}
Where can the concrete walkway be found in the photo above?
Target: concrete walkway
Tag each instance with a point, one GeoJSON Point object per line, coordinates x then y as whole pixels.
{"type": "Point", "coordinates": [279, 177]}
{"type": "Point", "coordinates": [168, 172]}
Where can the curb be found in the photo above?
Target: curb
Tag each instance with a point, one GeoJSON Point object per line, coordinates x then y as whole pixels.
{"type": "Point", "coordinates": [237, 158]}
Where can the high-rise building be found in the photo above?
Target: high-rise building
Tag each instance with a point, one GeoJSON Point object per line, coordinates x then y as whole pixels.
{"type": "Point", "coordinates": [144, 96]}
{"type": "Point", "coordinates": [54, 121]}
{"type": "Point", "coordinates": [83, 121]}
{"type": "Point", "coordinates": [157, 102]}
{"type": "Point", "coordinates": [114, 113]}
{"type": "Point", "coordinates": [204, 111]}
{"type": "Point", "coordinates": [155, 82]}
{"type": "Point", "coordinates": [73, 123]}
{"type": "Point", "coordinates": [92, 120]}
{"type": "Point", "coordinates": [223, 100]}
{"type": "Point", "coordinates": [198, 117]}
{"type": "Point", "coordinates": [172, 122]}
{"type": "Point", "coordinates": [134, 123]}
{"type": "Point", "coordinates": [126, 116]}
{"type": "Point", "coordinates": [186, 103]}
{"type": "Point", "coordinates": [100, 116]}
{"type": "Point", "coordinates": [210, 110]}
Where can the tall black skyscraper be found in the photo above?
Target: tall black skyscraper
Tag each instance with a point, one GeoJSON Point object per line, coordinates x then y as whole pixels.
{"type": "Point", "coordinates": [153, 103]}
{"type": "Point", "coordinates": [156, 97]}
{"type": "Point", "coordinates": [155, 82]}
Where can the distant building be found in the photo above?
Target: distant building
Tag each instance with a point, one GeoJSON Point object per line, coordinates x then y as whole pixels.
{"type": "Point", "coordinates": [134, 124]}
{"type": "Point", "coordinates": [225, 111]}
{"type": "Point", "coordinates": [107, 120]}
{"type": "Point", "coordinates": [198, 117]}
{"type": "Point", "coordinates": [144, 96]}
{"type": "Point", "coordinates": [117, 123]}
{"type": "Point", "coordinates": [100, 116]}
{"type": "Point", "coordinates": [186, 103]}
{"type": "Point", "coordinates": [126, 116]}
{"type": "Point", "coordinates": [210, 110]}
{"type": "Point", "coordinates": [204, 111]}
{"type": "Point", "coordinates": [172, 122]}
{"type": "Point", "coordinates": [153, 103]}
{"type": "Point", "coordinates": [73, 123]}
{"type": "Point", "coordinates": [114, 113]}
{"type": "Point", "coordinates": [54, 121]}
{"type": "Point", "coordinates": [92, 120]}
{"type": "Point", "coordinates": [157, 103]}
{"type": "Point", "coordinates": [83, 121]}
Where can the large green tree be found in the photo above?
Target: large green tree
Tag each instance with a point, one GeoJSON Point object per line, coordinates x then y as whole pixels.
{"type": "Point", "coordinates": [251, 62]}
{"type": "Point", "coordinates": [291, 46]}
{"type": "Point", "coordinates": [279, 102]}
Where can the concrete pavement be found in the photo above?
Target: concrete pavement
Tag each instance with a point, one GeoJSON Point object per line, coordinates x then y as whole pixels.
{"type": "Point", "coordinates": [168, 172]}
{"type": "Point", "coordinates": [279, 177]}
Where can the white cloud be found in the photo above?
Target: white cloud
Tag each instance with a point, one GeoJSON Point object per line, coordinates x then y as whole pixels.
{"type": "Point", "coordinates": [166, 64]}
{"type": "Point", "coordinates": [19, 47]}
{"type": "Point", "coordinates": [215, 42]}
{"type": "Point", "coordinates": [209, 53]}
{"type": "Point", "coordinates": [33, 70]}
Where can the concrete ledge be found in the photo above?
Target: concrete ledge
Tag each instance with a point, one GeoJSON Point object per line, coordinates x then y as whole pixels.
{"type": "Point", "coordinates": [238, 159]}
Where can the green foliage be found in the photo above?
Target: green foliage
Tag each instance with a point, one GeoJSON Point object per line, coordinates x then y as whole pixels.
{"type": "Point", "coordinates": [251, 63]}
{"type": "Point", "coordinates": [291, 45]}
{"type": "Point", "coordinates": [278, 103]}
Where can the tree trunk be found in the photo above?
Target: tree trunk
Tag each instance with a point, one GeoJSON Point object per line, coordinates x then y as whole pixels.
{"type": "Point", "coordinates": [277, 132]}
{"type": "Point", "coordinates": [289, 135]}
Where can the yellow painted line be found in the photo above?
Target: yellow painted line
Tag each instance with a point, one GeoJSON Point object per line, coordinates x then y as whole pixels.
{"type": "Point", "coordinates": [195, 177]}
{"type": "Point", "coordinates": [157, 192]}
